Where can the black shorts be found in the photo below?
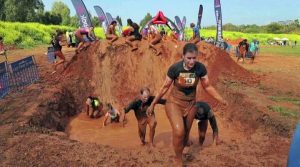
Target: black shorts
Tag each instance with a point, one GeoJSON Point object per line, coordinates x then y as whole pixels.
{"type": "Point", "coordinates": [138, 37]}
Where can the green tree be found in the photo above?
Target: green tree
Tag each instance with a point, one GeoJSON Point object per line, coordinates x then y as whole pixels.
{"type": "Point", "coordinates": [15, 10]}
{"type": "Point", "coordinates": [2, 12]}
{"type": "Point", "coordinates": [118, 18]}
{"type": "Point", "coordinates": [59, 8]}
{"type": "Point", "coordinates": [95, 21]}
{"type": "Point", "coordinates": [145, 20]}
{"type": "Point", "coordinates": [274, 28]}
{"type": "Point", "coordinates": [74, 21]}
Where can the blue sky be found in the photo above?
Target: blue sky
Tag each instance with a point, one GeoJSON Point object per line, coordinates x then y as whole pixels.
{"type": "Point", "coordinates": [259, 12]}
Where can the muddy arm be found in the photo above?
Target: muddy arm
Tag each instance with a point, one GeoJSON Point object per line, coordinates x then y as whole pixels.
{"type": "Point", "coordinates": [168, 82]}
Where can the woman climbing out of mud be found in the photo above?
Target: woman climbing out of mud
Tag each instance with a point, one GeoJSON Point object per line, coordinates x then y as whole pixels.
{"type": "Point", "coordinates": [134, 34]}
{"type": "Point", "coordinates": [57, 46]}
{"type": "Point", "coordinates": [155, 37]}
{"type": "Point", "coordinates": [203, 115]}
{"type": "Point", "coordinates": [180, 106]}
{"type": "Point", "coordinates": [111, 32]}
{"type": "Point", "coordinates": [96, 107]}
{"type": "Point", "coordinates": [196, 35]}
{"type": "Point", "coordinates": [84, 36]}
{"type": "Point", "coordinates": [112, 115]}
{"type": "Point", "coordinates": [140, 106]}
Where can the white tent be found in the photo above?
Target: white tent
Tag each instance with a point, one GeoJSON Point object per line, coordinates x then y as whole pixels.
{"type": "Point", "coordinates": [284, 39]}
{"type": "Point", "coordinates": [277, 39]}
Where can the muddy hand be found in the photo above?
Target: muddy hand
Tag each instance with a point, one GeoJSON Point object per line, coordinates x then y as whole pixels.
{"type": "Point", "coordinates": [149, 111]}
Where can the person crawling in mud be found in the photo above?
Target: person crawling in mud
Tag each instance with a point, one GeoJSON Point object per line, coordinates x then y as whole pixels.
{"type": "Point", "coordinates": [155, 37]}
{"type": "Point", "coordinates": [134, 34]}
{"type": "Point", "coordinates": [181, 104]}
{"type": "Point", "coordinates": [196, 35]}
{"type": "Point", "coordinates": [111, 32]}
{"type": "Point", "coordinates": [204, 114]}
{"type": "Point", "coordinates": [140, 106]}
{"type": "Point", "coordinates": [94, 104]}
{"type": "Point", "coordinates": [112, 115]}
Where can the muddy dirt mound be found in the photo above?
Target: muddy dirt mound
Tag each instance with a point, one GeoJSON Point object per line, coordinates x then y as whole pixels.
{"type": "Point", "coordinates": [67, 94]}
{"type": "Point", "coordinates": [121, 72]}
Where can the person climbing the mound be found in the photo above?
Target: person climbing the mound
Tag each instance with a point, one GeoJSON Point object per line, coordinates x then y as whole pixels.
{"type": "Point", "coordinates": [112, 115]}
{"type": "Point", "coordinates": [180, 106]}
{"type": "Point", "coordinates": [196, 35]}
{"type": "Point", "coordinates": [84, 36]}
{"type": "Point", "coordinates": [111, 32]}
{"type": "Point", "coordinates": [155, 38]}
{"type": "Point", "coordinates": [204, 114]}
{"type": "Point", "coordinates": [140, 106]}
{"type": "Point", "coordinates": [57, 46]}
{"type": "Point", "coordinates": [134, 34]}
{"type": "Point", "coordinates": [96, 107]}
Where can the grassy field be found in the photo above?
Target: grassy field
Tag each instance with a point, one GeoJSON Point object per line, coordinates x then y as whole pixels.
{"type": "Point", "coordinates": [30, 34]}
{"type": "Point", "coordinates": [25, 35]}
{"type": "Point", "coordinates": [281, 50]}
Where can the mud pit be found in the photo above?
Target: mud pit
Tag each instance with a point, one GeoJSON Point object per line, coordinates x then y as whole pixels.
{"type": "Point", "coordinates": [252, 135]}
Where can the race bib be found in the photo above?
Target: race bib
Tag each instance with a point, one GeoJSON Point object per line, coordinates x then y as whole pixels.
{"type": "Point", "coordinates": [187, 79]}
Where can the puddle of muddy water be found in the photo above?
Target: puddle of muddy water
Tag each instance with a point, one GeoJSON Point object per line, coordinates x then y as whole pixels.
{"type": "Point", "coordinates": [87, 130]}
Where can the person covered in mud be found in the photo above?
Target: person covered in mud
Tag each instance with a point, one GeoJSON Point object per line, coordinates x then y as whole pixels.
{"type": "Point", "coordinates": [111, 32]}
{"type": "Point", "coordinates": [112, 115]}
{"type": "Point", "coordinates": [134, 34]}
{"type": "Point", "coordinates": [57, 46]}
{"type": "Point", "coordinates": [180, 106]}
{"type": "Point", "coordinates": [140, 106]}
{"type": "Point", "coordinates": [243, 48]}
{"type": "Point", "coordinates": [196, 34]}
{"type": "Point", "coordinates": [155, 38]}
{"type": "Point", "coordinates": [84, 36]}
{"type": "Point", "coordinates": [96, 107]}
{"type": "Point", "coordinates": [204, 114]}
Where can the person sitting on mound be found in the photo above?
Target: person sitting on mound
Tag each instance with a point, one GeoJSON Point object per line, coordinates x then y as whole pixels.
{"type": "Point", "coordinates": [155, 37]}
{"type": "Point", "coordinates": [163, 33]}
{"type": "Point", "coordinates": [134, 34]}
{"type": "Point", "coordinates": [111, 32]}
{"type": "Point", "coordinates": [112, 115]}
{"type": "Point", "coordinates": [174, 37]}
{"type": "Point", "coordinates": [96, 107]}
